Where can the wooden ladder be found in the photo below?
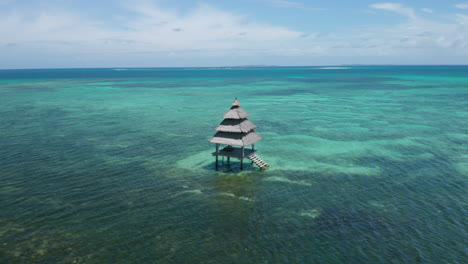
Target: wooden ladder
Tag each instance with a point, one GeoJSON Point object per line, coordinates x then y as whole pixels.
{"type": "Point", "coordinates": [258, 161]}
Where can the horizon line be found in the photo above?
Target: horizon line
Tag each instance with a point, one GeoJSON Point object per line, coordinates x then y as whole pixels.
{"type": "Point", "coordinates": [235, 66]}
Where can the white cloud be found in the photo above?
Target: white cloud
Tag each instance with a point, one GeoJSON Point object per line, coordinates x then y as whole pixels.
{"type": "Point", "coordinates": [153, 29]}
{"type": "Point", "coordinates": [417, 37]}
{"type": "Point", "coordinates": [292, 4]}
{"type": "Point", "coordinates": [285, 3]}
{"type": "Point", "coordinates": [203, 28]}
{"type": "Point", "coordinates": [427, 10]}
{"type": "Point", "coordinates": [395, 7]}
{"type": "Point", "coordinates": [462, 6]}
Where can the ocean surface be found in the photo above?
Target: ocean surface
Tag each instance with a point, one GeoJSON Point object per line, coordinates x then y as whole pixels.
{"type": "Point", "coordinates": [368, 165]}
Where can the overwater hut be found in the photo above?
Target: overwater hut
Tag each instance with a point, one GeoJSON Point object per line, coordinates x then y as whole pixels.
{"type": "Point", "coordinates": [237, 132]}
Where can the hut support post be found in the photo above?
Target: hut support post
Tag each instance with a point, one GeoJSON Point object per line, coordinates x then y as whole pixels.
{"type": "Point", "coordinates": [217, 150]}
{"type": "Point", "coordinates": [253, 148]}
{"type": "Point", "coordinates": [242, 159]}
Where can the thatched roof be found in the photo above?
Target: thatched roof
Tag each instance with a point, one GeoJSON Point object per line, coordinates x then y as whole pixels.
{"type": "Point", "coordinates": [236, 130]}
{"type": "Point", "coordinates": [235, 113]}
{"type": "Point", "coordinates": [236, 139]}
{"type": "Point", "coordinates": [236, 126]}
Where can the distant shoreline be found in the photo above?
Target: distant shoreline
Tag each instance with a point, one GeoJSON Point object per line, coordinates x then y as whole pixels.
{"type": "Point", "coordinates": [344, 66]}
{"type": "Point", "coordinates": [333, 68]}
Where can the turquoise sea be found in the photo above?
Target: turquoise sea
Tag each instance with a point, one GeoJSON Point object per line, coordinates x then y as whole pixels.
{"type": "Point", "coordinates": [368, 165]}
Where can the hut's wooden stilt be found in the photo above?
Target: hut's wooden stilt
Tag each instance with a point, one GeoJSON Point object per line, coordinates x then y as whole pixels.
{"type": "Point", "coordinates": [242, 159]}
{"type": "Point", "coordinates": [217, 150]}
{"type": "Point", "coordinates": [253, 148]}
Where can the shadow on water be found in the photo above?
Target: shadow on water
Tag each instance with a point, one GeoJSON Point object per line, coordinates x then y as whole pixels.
{"type": "Point", "coordinates": [233, 166]}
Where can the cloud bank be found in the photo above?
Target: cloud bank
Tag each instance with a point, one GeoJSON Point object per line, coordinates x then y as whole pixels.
{"type": "Point", "coordinates": [150, 35]}
{"type": "Point", "coordinates": [395, 7]}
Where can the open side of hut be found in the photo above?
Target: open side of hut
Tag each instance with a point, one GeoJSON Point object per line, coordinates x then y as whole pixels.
{"type": "Point", "coordinates": [237, 132]}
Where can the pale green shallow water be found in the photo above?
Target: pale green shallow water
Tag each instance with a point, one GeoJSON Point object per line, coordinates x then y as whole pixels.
{"type": "Point", "coordinates": [368, 165]}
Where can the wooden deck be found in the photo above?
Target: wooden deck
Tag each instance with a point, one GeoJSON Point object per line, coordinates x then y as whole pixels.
{"type": "Point", "coordinates": [234, 153]}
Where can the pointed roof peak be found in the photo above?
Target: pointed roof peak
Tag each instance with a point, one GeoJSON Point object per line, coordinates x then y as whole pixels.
{"type": "Point", "coordinates": [236, 102]}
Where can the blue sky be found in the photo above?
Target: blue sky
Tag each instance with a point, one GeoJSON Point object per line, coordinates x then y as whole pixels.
{"type": "Point", "coordinates": [163, 33]}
